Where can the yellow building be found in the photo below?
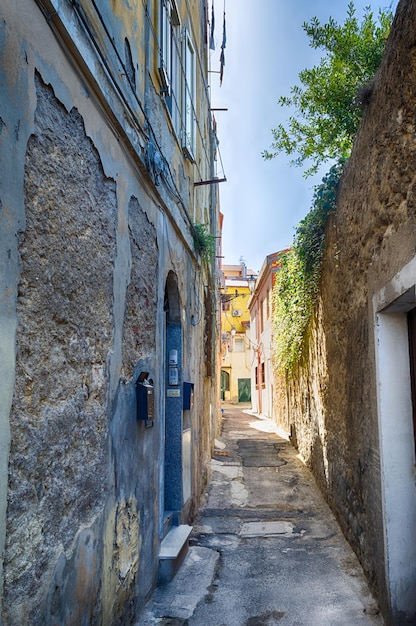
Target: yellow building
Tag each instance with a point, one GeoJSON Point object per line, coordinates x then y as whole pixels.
{"type": "Point", "coordinates": [235, 329]}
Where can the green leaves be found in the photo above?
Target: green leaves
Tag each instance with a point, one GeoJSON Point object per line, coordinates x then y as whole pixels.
{"type": "Point", "coordinates": [326, 112]}
{"type": "Point", "coordinates": [204, 242]}
{"type": "Point", "coordinates": [292, 307]}
{"type": "Point", "coordinates": [297, 286]}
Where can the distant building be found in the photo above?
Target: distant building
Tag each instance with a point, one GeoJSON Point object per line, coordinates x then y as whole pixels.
{"type": "Point", "coordinates": [235, 328]}
{"type": "Point", "coordinates": [261, 337]}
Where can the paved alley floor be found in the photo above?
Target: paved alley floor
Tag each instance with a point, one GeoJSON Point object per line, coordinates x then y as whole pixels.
{"type": "Point", "coordinates": [265, 550]}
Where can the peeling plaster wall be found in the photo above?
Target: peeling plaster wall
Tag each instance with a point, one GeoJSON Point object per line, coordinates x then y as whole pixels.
{"type": "Point", "coordinates": [332, 399]}
{"type": "Point", "coordinates": [87, 242]}
{"type": "Point", "coordinates": [58, 454]}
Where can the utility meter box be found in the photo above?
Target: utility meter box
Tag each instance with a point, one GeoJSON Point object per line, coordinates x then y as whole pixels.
{"type": "Point", "coordinates": [145, 398]}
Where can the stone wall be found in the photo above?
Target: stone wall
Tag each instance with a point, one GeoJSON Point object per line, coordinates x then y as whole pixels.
{"type": "Point", "coordinates": [332, 398]}
{"type": "Point", "coordinates": [58, 468]}
{"type": "Point", "coordinates": [141, 298]}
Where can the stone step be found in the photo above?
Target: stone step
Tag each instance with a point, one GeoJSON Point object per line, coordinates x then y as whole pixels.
{"type": "Point", "coordinates": [174, 541]}
{"type": "Point", "coordinates": [173, 550]}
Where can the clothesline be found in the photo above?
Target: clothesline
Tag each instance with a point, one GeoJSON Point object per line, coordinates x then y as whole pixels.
{"type": "Point", "coordinates": [223, 43]}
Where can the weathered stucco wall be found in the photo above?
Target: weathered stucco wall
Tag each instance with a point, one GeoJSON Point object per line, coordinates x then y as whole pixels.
{"type": "Point", "coordinates": [58, 456]}
{"type": "Point", "coordinates": [87, 243]}
{"type": "Point", "coordinates": [332, 398]}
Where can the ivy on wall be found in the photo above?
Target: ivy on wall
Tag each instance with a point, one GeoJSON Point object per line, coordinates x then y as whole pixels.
{"type": "Point", "coordinates": [297, 285]}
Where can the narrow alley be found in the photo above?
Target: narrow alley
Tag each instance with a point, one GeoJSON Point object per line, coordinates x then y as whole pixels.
{"type": "Point", "coordinates": [265, 550]}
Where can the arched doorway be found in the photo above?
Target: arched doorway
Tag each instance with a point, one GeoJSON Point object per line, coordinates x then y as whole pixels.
{"type": "Point", "coordinates": [172, 488]}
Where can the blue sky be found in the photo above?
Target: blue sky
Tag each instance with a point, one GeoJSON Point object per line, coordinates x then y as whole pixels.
{"type": "Point", "coordinates": [262, 201]}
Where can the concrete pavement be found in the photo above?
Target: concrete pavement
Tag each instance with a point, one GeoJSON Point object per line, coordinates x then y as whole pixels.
{"type": "Point", "coordinates": [265, 550]}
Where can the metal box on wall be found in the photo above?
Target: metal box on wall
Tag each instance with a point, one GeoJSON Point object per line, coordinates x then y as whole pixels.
{"type": "Point", "coordinates": [144, 398]}
{"type": "Point", "coordinates": [188, 396]}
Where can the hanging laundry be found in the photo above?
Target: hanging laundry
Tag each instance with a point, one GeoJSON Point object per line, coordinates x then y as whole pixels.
{"type": "Point", "coordinates": [211, 37]}
{"type": "Point", "coordinates": [222, 56]}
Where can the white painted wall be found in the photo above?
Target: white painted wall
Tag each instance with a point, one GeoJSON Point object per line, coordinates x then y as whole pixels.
{"type": "Point", "coordinates": [397, 443]}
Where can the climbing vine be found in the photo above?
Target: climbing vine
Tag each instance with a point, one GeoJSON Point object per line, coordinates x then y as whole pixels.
{"type": "Point", "coordinates": [297, 286]}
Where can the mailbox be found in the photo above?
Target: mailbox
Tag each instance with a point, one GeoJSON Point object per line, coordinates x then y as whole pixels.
{"type": "Point", "coordinates": [188, 396]}
{"type": "Point", "coordinates": [145, 399]}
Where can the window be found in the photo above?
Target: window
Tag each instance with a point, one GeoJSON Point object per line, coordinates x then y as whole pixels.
{"type": "Point", "coordinates": [165, 45]}
{"type": "Point", "coordinates": [188, 117]}
{"type": "Point", "coordinates": [238, 345]}
{"type": "Point", "coordinates": [177, 71]}
{"type": "Point", "coordinates": [170, 59]}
